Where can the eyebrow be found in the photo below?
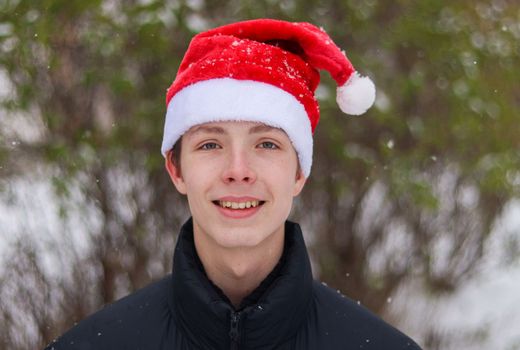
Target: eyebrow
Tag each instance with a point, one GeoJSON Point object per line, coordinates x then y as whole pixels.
{"type": "Point", "coordinates": [263, 128]}
{"type": "Point", "coordinates": [207, 129]}
{"type": "Point", "coordinates": [218, 130]}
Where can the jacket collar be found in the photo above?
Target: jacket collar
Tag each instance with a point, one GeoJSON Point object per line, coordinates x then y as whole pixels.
{"type": "Point", "coordinates": [269, 316]}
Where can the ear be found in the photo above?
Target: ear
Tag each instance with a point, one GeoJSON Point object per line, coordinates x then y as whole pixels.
{"type": "Point", "coordinates": [299, 182]}
{"type": "Point", "coordinates": [175, 174]}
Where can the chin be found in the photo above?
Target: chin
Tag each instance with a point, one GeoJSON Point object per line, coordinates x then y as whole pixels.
{"type": "Point", "coordinates": [245, 237]}
{"type": "Point", "coordinates": [246, 233]}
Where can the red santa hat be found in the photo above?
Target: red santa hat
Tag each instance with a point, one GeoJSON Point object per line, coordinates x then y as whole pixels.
{"type": "Point", "coordinates": [264, 71]}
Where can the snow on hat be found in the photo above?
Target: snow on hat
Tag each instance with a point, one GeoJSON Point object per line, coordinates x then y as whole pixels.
{"type": "Point", "coordinates": [264, 71]}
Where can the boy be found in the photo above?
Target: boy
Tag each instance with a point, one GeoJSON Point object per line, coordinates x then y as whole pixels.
{"type": "Point", "coordinates": [238, 144]}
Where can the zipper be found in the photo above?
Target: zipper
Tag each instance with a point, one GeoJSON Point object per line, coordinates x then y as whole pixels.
{"type": "Point", "coordinates": [233, 330]}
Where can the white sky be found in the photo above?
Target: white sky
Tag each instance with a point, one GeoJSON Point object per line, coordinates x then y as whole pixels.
{"type": "Point", "coordinates": [488, 304]}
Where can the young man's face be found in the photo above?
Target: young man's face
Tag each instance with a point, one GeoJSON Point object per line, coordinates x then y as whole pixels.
{"type": "Point", "coordinates": [240, 179]}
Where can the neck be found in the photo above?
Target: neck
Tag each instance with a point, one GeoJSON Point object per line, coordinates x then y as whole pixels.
{"type": "Point", "coordinates": [238, 271]}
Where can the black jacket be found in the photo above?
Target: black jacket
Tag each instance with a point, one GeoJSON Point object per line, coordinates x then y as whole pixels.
{"type": "Point", "coordinates": [186, 311]}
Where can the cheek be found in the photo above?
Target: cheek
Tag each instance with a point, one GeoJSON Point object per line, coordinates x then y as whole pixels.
{"type": "Point", "coordinates": [197, 171]}
{"type": "Point", "coordinates": [199, 179]}
{"type": "Point", "coordinates": [283, 178]}
{"type": "Point", "coordinates": [286, 169]}
{"type": "Point", "coordinates": [195, 184]}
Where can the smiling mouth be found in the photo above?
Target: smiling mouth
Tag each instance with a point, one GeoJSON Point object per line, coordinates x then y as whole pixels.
{"type": "Point", "coordinates": [238, 205]}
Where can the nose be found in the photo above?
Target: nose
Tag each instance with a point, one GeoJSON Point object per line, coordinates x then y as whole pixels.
{"type": "Point", "coordinates": [238, 169]}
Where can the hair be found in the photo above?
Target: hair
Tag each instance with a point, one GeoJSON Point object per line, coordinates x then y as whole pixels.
{"type": "Point", "coordinates": [175, 157]}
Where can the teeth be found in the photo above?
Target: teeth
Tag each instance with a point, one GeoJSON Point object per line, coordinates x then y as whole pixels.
{"type": "Point", "coordinates": [239, 205]}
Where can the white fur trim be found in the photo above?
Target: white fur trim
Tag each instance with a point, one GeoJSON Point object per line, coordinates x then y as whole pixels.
{"type": "Point", "coordinates": [228, 99]}
{"type": "Point", "coordinates": [356, 95]}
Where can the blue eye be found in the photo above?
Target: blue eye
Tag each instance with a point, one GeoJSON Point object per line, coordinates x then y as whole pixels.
{"type": "Point", "coordinates": [268, 145]}
{"type": "Point", "coordinates": [209, 145]}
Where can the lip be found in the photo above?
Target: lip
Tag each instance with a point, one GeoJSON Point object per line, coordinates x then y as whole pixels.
{"type": "Point", "coordinates": [239, 199]}
{"type": "Point", "coordinates": [238, 213]}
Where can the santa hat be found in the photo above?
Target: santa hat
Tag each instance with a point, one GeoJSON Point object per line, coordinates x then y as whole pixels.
{"type": "Point", "coordinates": [263, 71]}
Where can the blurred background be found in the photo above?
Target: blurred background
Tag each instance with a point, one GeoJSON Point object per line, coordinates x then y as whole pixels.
{"type": "Point", "coordinates": [413, 209]}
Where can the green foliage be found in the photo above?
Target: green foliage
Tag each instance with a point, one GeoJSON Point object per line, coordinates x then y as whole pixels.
{"type": "Point", "coordinates": [95, 74]}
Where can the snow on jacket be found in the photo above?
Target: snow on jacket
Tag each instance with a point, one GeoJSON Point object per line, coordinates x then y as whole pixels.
{"type": "Point", "coordinates": [185, 310]}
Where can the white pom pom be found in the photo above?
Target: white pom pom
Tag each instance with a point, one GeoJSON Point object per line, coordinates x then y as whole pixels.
{"type": "Point", "coordinates": [356, 95]}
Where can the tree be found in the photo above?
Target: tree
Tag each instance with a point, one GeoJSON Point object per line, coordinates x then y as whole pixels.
{"type": "Point", "coordinates": [409, 191]}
